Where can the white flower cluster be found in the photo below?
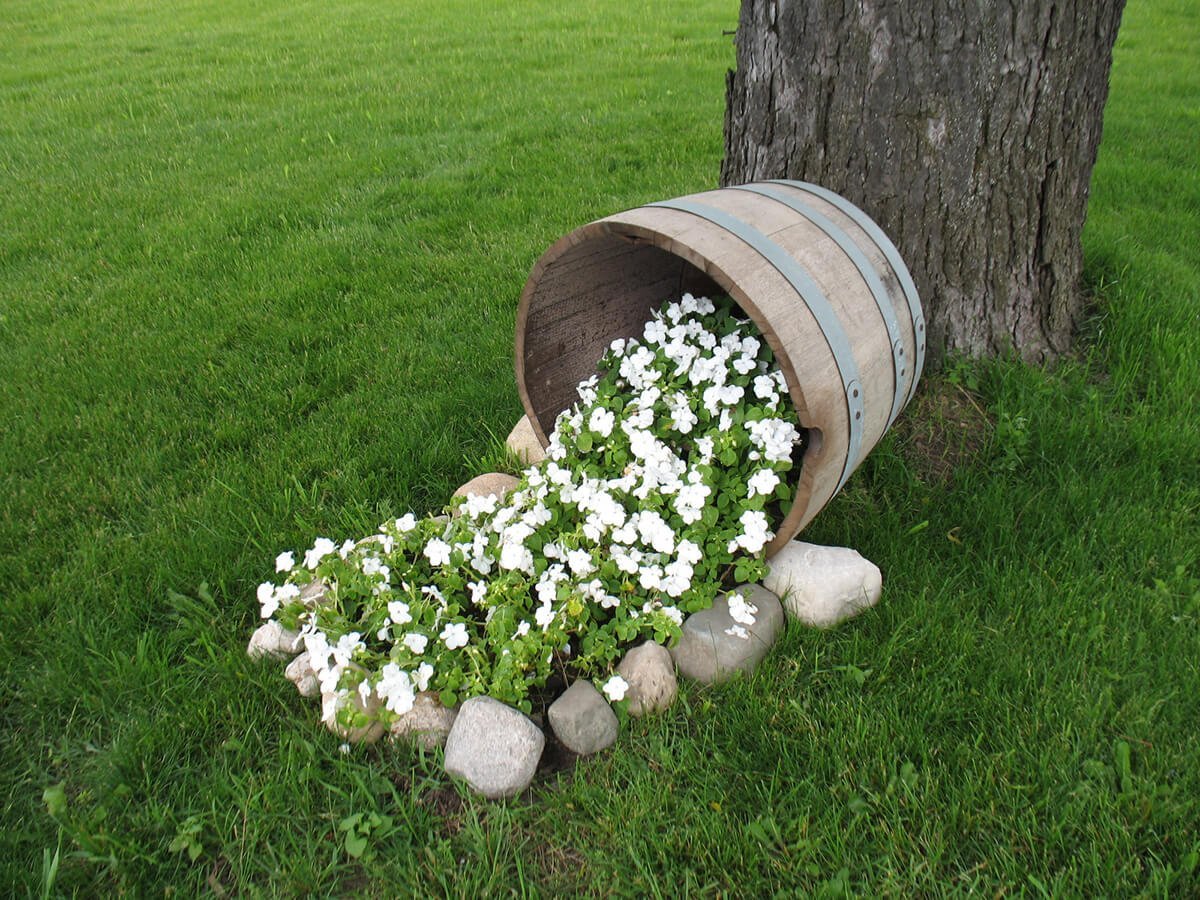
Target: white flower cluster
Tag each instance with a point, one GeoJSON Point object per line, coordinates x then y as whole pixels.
{"type": "Point", "coordinates": [669, 467]}
{"type": "Point", "coordinates": [743, 613]}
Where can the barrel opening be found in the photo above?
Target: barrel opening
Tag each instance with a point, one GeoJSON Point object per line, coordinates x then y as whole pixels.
{"type": "Point", "coordinates": [599, 284]}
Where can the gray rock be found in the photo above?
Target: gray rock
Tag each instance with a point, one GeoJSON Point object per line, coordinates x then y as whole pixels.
{"type": "Point", "coordinates": [493, 747]}
{"type": "Point", "coordinates": [272, 639]}
{"type": "Point", "coordinates": [313, 593]}
{"type": "Point", "coordinates": [300, 673]}
{"type": "Point", "coordinates": [650, 673]}
{"type": "Point", "coordinates": [523, 443]}
{"type": "Point", "coordinates": [822, 586]}
{"type": "Point", "coordinates": [714, 645]}
{"type": "Point", "coordinates": [582, 719]}
{"type": "Point", "coordinates": [428, 723]}
{"type": "Point", "coordinates": [490, 484]}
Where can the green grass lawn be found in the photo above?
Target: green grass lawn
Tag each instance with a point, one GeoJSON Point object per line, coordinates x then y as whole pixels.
{"type": "Point", "coordinates": [259, 266]}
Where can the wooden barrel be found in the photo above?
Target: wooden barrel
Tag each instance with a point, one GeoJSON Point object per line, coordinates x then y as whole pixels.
{"type": "Point", "coordinates": [822, 282]}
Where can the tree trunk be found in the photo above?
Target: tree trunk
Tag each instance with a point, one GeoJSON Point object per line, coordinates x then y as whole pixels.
{"type": "Point", "coordinates": [967, 129]}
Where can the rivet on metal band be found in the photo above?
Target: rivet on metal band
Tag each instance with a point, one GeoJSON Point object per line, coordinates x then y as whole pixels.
{"type": "Point", "coordinates": [878, 292]}
{"type": "Point", "coordinates": [891, 254]}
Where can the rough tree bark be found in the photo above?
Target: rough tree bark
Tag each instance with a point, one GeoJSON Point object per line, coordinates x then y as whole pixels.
{"type": "Point", "coordinates": [966, 128]}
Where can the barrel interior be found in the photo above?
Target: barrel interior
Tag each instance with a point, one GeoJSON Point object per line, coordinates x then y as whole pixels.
{"type": "Point", "coordinates": [586, 296]}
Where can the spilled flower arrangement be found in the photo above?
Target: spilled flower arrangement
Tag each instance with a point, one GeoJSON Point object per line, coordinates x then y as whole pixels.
{"type": "Point", "coordinates": [659, 485]}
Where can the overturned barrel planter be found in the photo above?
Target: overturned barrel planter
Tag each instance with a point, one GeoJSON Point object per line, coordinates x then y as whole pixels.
{"type": "Point", "coordinates": [822, 282]}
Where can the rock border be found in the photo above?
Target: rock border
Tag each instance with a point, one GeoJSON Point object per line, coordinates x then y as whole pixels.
{"type": "Point", "coordinates": [496, 749]}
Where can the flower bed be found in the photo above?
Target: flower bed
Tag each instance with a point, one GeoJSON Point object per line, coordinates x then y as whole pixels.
{"type": "Point", "coordinates": [660, 485]}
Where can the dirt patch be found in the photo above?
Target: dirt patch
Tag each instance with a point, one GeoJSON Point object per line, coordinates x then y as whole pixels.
{"type": "Point", "coordinates": [447, 805]}
{"type": "Point", "coordinates": [944, 429]}
{"type": "Point", "coordinates": [555, 758]}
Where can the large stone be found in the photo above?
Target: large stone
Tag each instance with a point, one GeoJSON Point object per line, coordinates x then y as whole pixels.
{"type": "Point", "coordinates": [822, 586]}
{"type": "Point", "coordinates": [272, 639]}
{"type": "Point", "coordinates": [523, 443]}
{"type": "Point", "coordinates": [714, 645]}
{"type": "Point", "coordinates": [428, 723]}
{"type": "Point", "coordinates": [650, 673]}
{"type": "Point", "coordinates": [582, 719]}
{"type": "Point", "coordinates": [493, 747]}
{"type": "Point", "coordinates": [300, 673]}
{"type": "Point", "coordinates": [313, 593]}
{"type": "Point", "coordinates": [490, 484]}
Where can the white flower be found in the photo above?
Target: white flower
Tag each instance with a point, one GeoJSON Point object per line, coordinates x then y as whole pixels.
{"type": "Point", "coordinates": [601, 421]}
{"type": "Point", "coordinates": [762, 482]}
{"type": "Point", "coordinates": [454, 635]}
{"type": "Point", "coordinates": [741, 610]}
{"type": "Point", "coordinates": [515, 557]}
{"type": "Point", "coordinates": [774, 437]}
{"type": "Point", "coordinates": [522, 629]}
{"type": "Point", "coordinates": [655, 532]}
{"type": "Point", "coordinates": [655, 332]}
{"type": "Point", "coordinates": [348, 644]}
{"type": "Point", "coordinates": [677, 579]}
{"type": "Point", "coordinates": [285, 562]}
{"type": "Point", "coordinates": [319, 651]}
{"type": "Point", "coordinates": [544, 616]}
{"type": "Point", "coordinates": [745, 364]}
{"type": "Point", "coordinates": [395, 688]}
{"type": "Point", "coordinates": [415, 642]}
{"type": "Point", "coordinates": [615, 688]}
{"type": "Point", "coordinates": [321, 548]}
{"type": "Point", "coordinates": [580, 562]}
{"type": "Point", "coordinates": [405, 524]}
{"type": "Point", "coordinates": [624, 558]}
{"type": "Point", "coordinates": [478, 591]}
{"type": "Point", "coordinates": [421, 677]}
{"type": "Point", "coordinates": [650, 577]}
{"type": "Point", "coordinates": [673, 614]}
{"type": "Point", "coordinates": [398, 612]}
{"type": "Point", "coordinates": [477, 505]}
{"type": "Point", "coordinates": [738, 631]}
{"type": "Point", "coordinates": [267, 599]}
{"type": "Point", "coordinates": [755, 532]}
{"type": "Point", "coordinates": [688, 552]}
{"type": "Point", "coordinates": [764, 388]}
{"type": "Point", "coordinates": [347, 546]}
{"type": "Point", "coordinates": [373, 565]}
{"type": "Point", "coordinates": [437, 552]}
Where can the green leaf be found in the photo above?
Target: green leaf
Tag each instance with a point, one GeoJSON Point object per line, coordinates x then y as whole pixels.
{"type": "Point", "coordinates": [55, 798]}
{"type": "Point", "coordinates": [356, 844]}
{"type": "Point", "coordinates": [584, 442]}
